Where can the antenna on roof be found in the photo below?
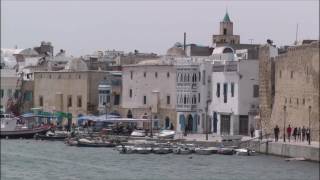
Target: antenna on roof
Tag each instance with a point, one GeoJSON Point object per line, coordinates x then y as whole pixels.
{"type": "Point", "coordinates": [184, 40]}
{"type": "Point", "coordinates": [296, 42]}
{"type": "Point", "coordinates": [251, 40]}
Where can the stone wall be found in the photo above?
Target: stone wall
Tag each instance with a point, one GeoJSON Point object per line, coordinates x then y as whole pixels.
{"type": "Point", "coordinates": [297, 88]}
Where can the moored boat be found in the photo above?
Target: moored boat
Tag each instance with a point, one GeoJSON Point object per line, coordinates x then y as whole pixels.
{"type": "Point", "coordinates": [93, 143]}
{"type": "Point", "coordinates": [15, 127]}
{"type": "Point", "coordinates": [226, 151]}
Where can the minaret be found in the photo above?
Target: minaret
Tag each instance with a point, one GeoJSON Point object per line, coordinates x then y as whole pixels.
{"type": "Point", "coordinates": [226, 33]}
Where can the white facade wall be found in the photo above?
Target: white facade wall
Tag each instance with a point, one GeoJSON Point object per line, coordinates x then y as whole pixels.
{"type": "Point", "coordinates": [146, 86]}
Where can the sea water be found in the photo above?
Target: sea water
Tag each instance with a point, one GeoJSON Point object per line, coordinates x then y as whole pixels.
{"type": "Point", "coordinates": [40, 160]}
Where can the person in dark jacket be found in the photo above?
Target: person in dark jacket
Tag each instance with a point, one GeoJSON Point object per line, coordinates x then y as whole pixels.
{"type": "Point", "coordinates": [289, 129]}
{"type": "Point", "coordinates": [295, 133]}
{"type": "Point", "coordinates": [299, 134]}
{"type": "Point", "coordinates": [276, 133]}
{"type": "Point", "coordinates": [303, 133]}
{"type": "Point", "coordinates": [251, 130]}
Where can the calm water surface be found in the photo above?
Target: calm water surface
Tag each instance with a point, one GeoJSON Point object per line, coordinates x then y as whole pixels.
{"type": "Point", "coordinates": [40, 160]}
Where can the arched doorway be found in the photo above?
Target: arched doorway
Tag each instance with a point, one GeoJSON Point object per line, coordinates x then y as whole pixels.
{"type": "Point", "coordinates": [167, 123]}
{"type": "Point", "coordinates": [189, 123]}
{"type": "Point", "coordinates": [129, 114]}
{"type": "Point", "coordinates": [182, 122]}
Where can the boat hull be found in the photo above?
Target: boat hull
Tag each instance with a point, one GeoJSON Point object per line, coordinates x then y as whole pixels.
{"type": "Point", "coordinates": [29, 133]}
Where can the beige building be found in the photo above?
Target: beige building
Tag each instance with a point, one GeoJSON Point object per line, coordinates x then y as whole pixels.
{"type": "Point", "coordinates": [149, 87]}
{"type": "Point", "coordinates": [68, 91]}
{"type": "Point", "coordinates": [9, 87]}
{"type": "Point", "coordinates": [289, 86]}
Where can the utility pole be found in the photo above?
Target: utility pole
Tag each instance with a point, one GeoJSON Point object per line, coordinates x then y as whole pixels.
{"type": "Point", "coordinates": [309, 127]}
{"type": "Point", "coordinates": [284, 123]}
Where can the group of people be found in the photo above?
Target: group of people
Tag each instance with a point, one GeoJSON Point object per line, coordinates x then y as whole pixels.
{"type": "Point", "coordinates": [298, 133]}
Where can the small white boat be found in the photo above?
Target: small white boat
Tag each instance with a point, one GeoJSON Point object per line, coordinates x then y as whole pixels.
{"type": "Point", "coordinates": [205, 151]}
{"type": "Point", "coordinates": [138, 133]}
{"type": "Point", "coordinates": [182, 150]}
{"type": "Point", "coordinates": [166, 134]}
{"type": "Point", "coordinates": [142, 150]}
{"type": "Point", "coordinates": [126, 149]}
{"type": "Point", "coordinates": [161, 150]}
{"type": "Point", "coordinates": [244, 152]}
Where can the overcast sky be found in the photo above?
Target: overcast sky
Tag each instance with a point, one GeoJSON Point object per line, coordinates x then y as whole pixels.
{"type": "Point", "coordinates": [82, 27]}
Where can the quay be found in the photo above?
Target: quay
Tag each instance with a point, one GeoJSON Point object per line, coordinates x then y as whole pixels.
{"type": "Point", "coordinates": [266, 146]}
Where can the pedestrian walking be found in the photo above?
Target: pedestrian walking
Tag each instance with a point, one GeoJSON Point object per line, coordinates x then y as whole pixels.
{"type": "Point", "coordinates": [295, 133]}
{"type": "Point", "coordinates": [276, 133]}
{"type": "Point", "coordinates": [308, 134]}
{"type": "Point", "coordinates": [289, 129]}
{"type": "Point", "coordinates": [251, 130]}
{"type": "Point", "coordinates": [303, 133]}
{"type": "Point", "coordinates": [299, 134]}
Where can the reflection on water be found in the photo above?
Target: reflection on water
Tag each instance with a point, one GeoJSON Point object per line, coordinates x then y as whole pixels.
{"type": "Point", "coordinates": [30, 160]}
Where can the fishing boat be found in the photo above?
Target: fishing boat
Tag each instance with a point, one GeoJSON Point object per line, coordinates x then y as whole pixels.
{"type": "Point", "coordinates": [244, 152]}
{"type": "Point", "coordinates": [18, 127]}
{"type": "Point", "coordinates": [206, 150]}
{"type": "Point", "coordinates": [226, 151]}
{"type": "Point", "coordinates": [53, 136]}
{"type": "Point", "coordinates": [138, 133]}
{"type": "Point", "coordinates": [162, 150]}
{"type": "Point", "coordinates": [126, 149]}
{"type": "Point", "coordinates": [83, 142]}
{"type": "Point", "coordinates": [182, 150]}
{"type": "Point", "coordinates": [167, 134]}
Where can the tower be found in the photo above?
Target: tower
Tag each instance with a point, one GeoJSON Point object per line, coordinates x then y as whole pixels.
{"type": "Point", "coordinates": [226, 33]}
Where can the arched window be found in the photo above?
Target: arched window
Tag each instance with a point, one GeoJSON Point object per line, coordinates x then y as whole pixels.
{"type": "Point", "coordinates": [185, 99]}
{"type": "Point", "coordinates": [185, 77]}
{"type": "Point", "coordinates": [188, 77]}
{"type": "Point", "coordinates": [199, 76]}
{"type": "Point", "coordinates": [181, 77]}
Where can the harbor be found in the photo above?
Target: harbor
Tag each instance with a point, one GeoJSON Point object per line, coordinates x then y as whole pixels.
{"type": "Point", "coordinates": [34, 159]}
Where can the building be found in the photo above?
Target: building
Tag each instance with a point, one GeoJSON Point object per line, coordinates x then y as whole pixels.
{"type": "Point", "coordinates": [235, 91]}
{"type": "Point", "coordinates": [9, 88]}
{"type": "Point", "coordinates": [110, 93]}
{"type": "Point", "coordinates": [290, 93]}
{"type": "Point", "coordinates": [149, 91]}
{"type": "Point", "coordinates": [73, 90]}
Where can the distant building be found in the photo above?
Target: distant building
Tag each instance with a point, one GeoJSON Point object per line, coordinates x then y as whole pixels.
{"type": "Point", "coordinates": [9, 88]}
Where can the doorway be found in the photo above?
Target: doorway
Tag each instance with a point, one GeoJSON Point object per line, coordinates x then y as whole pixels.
{"type": "Point", "coordinates": [225, 124]}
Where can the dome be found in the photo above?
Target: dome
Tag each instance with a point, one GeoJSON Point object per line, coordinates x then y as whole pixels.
{"type": "Point", "coordinates": [176, 51]}
{"type": "Point", "coordinates": [76, 65]}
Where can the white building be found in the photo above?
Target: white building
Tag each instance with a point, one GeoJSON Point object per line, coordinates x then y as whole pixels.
{"type": "Point", "coordinates": [235, 92]}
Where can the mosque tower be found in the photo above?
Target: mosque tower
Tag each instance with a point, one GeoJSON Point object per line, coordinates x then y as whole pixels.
{"type": "Point", "coordinates": [226, 33]}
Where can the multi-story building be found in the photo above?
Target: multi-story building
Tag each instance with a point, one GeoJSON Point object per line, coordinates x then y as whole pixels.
{"type": "Point", "coordinates": [149, 91]}
{"type": "Point", "coordinates": [235, 91]}
{"type": "Point", "coordinates": [9, 88]}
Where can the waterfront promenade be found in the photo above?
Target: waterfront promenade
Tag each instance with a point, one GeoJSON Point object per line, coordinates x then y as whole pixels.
{"type": "Point", "coordinates": [280, 148]}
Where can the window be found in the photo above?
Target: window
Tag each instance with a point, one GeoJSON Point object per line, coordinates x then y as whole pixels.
{"type": "Point", "coordinates": [291, 76]}
{"type": "Point", "coordinates": [40, 101]}
{"type": "Point", "coordinates": [79, 101]}
{"type": "Point", "coordinates": [69, 101]}
{"type": "Point", "coordinates": [144, 99]}
{"type": "Point", "coordinates": [79, 76]}
{"type": "Point", "coordinates": [156, 74]}
{"type": "Point", "coordinates": [225, 92]}
{"type": "Point", "coordinates": [280, 73]}
{"type": "Point", "coordinates": [198, 97]}
{"type": "Point", "coordinates": [224, 31]}
{"type": "Point", "coordinates": [290, 100]}
{"type": "Point", "coordinates": [28, 96]}
{"type": "Point", "coordinates": [199, 76]}
{"type": "Point", "coordinates": [168, 99]}
{"type": "Point", "coordinates": [303, 101]}
{"type": "Point", "coordinates": [168, 74]}
{"type": "Point", "coordinates": [1, 93]}
{"type": "Point", "coordinates": [297, 100]}
{"type": "Point", "coordinates": [218, 90]}
{"type": "Point", "coordinates": [232, 89]}
{"type": "Point", "coordinates": [116, 99]}
{"type": "Point", "coordinates": [130, 93]}
{"type": "Point", "coordinates": [255, 90]}
{"type": "Point", "coordinates": [131, 74]}
{"type": "Point", "coordinates": [108, 99]}
{"type": "Point", "coordinates": [9, 93]}
{"type": "Point", "coordinates": [204, 77]}
{"type": "Point", "coordinates": [285, 101]}
{"type": "Point", "coordinates": [144, 74]}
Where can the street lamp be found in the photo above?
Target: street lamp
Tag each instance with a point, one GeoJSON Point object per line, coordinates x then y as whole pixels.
{"type": "Point", "coordinates": [284, 123]}
{"type": "Point", "coordinates": [309, 126]}
{"type": "Point", "coordinates": [207, 130]}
